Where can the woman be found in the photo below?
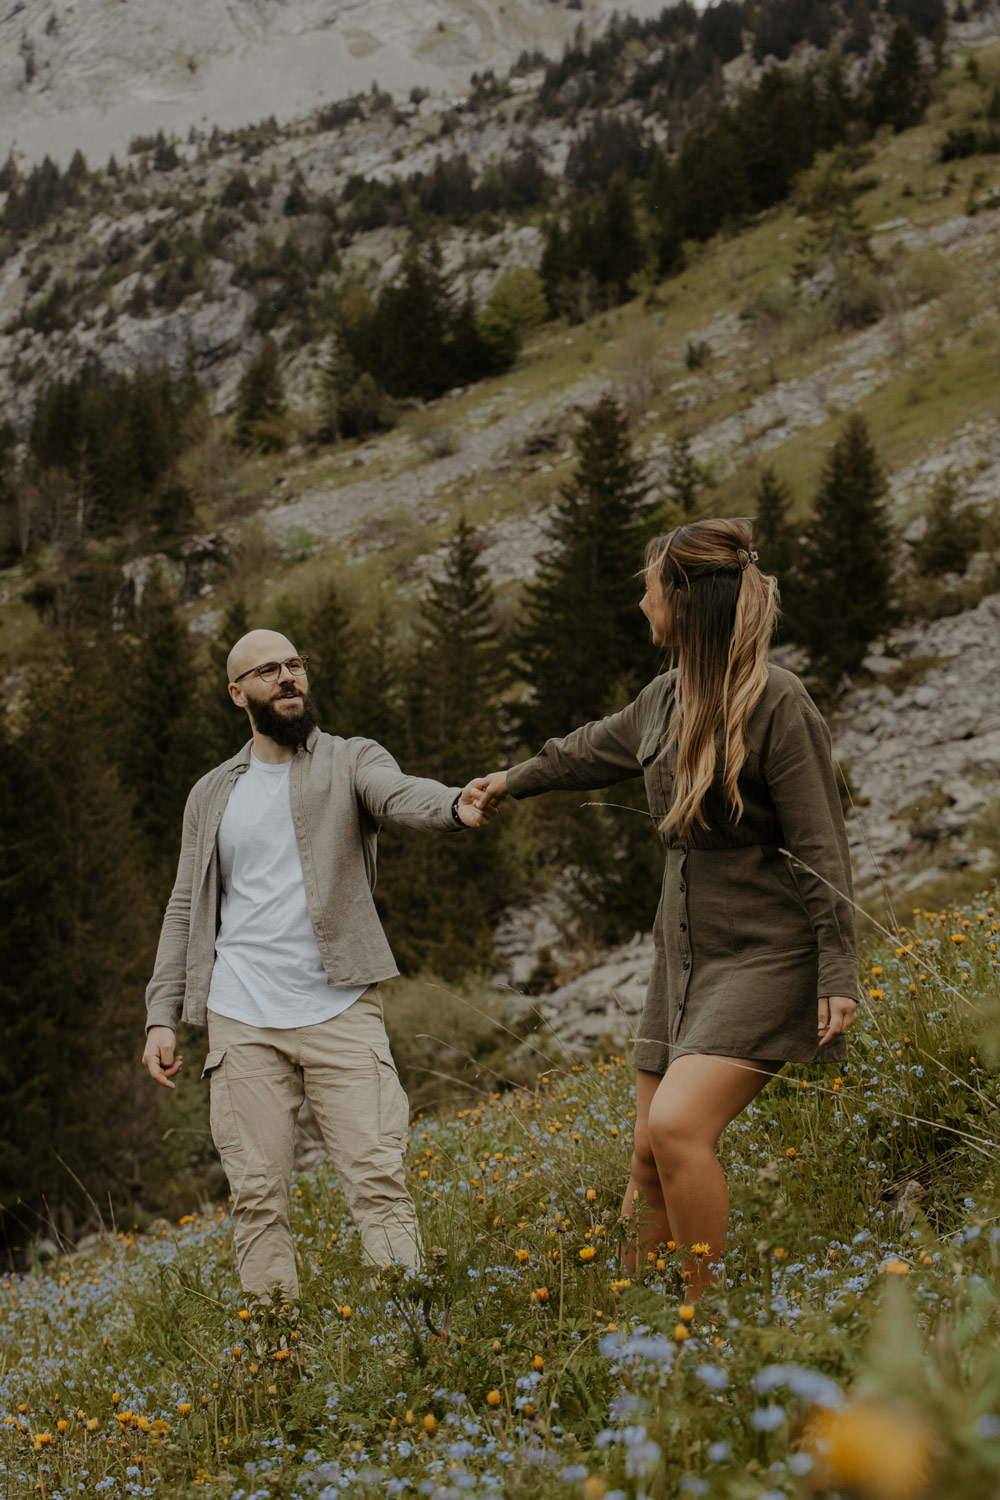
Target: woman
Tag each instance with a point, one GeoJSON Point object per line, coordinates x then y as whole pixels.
{"type": "Point", "coordinates": [755, 957]}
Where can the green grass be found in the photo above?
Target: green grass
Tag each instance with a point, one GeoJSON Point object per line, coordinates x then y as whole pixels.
{"type": "Point", "coordinates": [861, 1311]}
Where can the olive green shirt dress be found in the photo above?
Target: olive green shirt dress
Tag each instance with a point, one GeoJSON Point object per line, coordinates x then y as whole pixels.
{"type": "Point", "coordinates": [746, 940]}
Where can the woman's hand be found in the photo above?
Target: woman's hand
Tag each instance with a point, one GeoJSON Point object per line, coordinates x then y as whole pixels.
{"type": "Point", "coordinates": [836, 1012]}
{"type": "Point", "coordinates": [492, 791]}
{"type": "Point", "coordinates": [471, 811]}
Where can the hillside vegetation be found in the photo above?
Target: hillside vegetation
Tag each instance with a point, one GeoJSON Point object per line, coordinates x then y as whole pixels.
{"type": "Point", "coordinates": [227, 366]}
{"type": "Point", "coordinates": [852, 1352]}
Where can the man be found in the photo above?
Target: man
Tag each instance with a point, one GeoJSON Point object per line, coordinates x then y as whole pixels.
{"type": "Point", "coordinates": [271, 937]}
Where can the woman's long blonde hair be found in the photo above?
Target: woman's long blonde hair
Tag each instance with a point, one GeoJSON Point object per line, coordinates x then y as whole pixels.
{"type": "Point", "coordinates": [723, 610]}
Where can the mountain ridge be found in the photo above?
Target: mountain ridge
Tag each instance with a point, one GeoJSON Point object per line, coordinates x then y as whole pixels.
{"type": "Point", "coordinates": [104, 71]}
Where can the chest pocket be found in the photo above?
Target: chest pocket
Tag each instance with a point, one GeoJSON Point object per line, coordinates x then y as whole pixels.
{"type": "Point", "coordinates": [657, 770]}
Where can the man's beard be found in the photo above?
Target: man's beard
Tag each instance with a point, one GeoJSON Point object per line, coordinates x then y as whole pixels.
{"type": "Point", "coordinates": [291, 729]}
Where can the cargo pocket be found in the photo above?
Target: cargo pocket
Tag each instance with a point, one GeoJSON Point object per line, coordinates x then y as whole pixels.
{"type": "Point", "coordinates": [393, 1105]}
{"type": "Point", "coordinates": [222, 1117]}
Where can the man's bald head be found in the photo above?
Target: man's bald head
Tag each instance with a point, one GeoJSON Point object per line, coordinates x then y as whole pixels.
{"type": "Point", "coordinates": [255, 648]}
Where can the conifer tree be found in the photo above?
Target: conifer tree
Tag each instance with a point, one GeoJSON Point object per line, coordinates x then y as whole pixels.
{"type": "Point", "coordinates": [456, 682]}
{"type": "Point", "coordinates": [326, 629]}
{"type": "Point", "coordinates": [77, 932]}
{"type": "Point", "coordinates": [685, 477]}
{"type": "Point", "coordinates": [160, 745]}
{"type": "Point", "coordinates": [371, 697]}
{"type": "Point", "coordinates": [901, 89]}
{"type": "Point", "coordinates": [584, 642]}
{"type": "Point", "coordinates": [225, 729]}
{"type": "Point", "coordinates": [952, 532]}
{"type": "Point", "coordinates": [845, 599]}
{"type": "Point", "coordinates": [775, 540]}
{"type": "Point", "coordinates": [413, 318]}
{"type": "Point", "coordinates": [461, 657]}
{"type": "Point", "coordinates": [617, 253]}
{"type": "Point", "coordinates": [260, 399]}
{"type": "Point", "coordinates": [774, 535]}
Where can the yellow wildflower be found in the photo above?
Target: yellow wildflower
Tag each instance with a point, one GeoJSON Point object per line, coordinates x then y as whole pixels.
{"type": "Point", "coordinates": [871, 1448]}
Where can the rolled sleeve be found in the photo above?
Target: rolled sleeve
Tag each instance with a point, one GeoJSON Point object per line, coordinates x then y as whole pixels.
{"type": "Point", "coordinates": [800, 776]}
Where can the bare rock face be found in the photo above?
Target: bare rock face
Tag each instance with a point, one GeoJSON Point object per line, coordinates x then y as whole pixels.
{"type": "Point", "coordinates": [921, 751]}
{"type": "Point", "coordinates": [597, 1010]}
{"type": "Point", "coordinates": [96, 73]}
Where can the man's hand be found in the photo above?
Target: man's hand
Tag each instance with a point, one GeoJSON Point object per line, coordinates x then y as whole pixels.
{"type": "Point", "coordinates": [836, 1012]}
{"type": "Point", "coordinates": [159, 1055]}
{"type": "Point", "coordinates": [472, 811]}
{"type": "Point", "coordinates": [492, 791]}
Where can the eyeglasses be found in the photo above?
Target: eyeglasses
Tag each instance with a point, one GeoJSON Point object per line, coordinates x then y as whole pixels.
{"type": "Point", "coordinates": [270, 671]}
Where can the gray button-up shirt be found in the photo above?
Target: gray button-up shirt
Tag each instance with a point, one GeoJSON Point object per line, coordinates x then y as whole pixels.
{"type": "Point", "coordinates": [341, 791]}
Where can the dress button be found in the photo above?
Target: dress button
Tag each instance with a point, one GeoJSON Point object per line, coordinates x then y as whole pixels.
{"type": "Point", "coordinates": [682, 888]}
{"type": "Point", "coordinates": [684, 927]}
{"type": "Point", "coordinates": [686, 964]}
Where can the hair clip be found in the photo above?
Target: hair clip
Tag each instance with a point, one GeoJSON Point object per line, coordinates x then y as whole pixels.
{"type": "Point", "coordinates": [745, 557]}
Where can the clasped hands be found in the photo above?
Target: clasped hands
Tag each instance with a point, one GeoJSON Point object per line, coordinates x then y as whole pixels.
{"type": "Point", "coordinates": [480, 800]}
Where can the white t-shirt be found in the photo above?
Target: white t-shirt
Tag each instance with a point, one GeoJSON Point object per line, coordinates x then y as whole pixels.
{"type": "Point", "coordinates": [268, 970]}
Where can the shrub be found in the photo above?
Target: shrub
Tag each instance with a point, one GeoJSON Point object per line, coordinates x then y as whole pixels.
{"type": "Point", "coordinates": [952, 532]}
{"type": "Point", "coordinates": [516, 304]}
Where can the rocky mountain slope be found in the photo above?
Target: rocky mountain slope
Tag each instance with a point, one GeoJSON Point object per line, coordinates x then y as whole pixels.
{"type": "Point", "coordinates": [729, 355]}
{"type": "Point", "coordinates": [95, 73]}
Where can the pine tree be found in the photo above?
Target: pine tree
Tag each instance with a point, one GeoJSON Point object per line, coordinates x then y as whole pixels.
{"type": "Point", "coordinates": [371, 700]}
{"type": "Point", "coordinates": [952, 533]}
{"type": "Point", "coordinates": [224, 726]}
{"type": "Point", "coordinates": [413, 319]}
{"type": "Point", "coordinates": [326, 628]}
{"type": "Point", "coordinates": [557, 264]}
{"type": "Point", "coordinates": [260, 401]}
{"type": "Point", "coordinates": [462, 664]}
{"type": "Point", "coordinates": [584, 642]}
{"type": "Point", "coordinates": [774, 535]}
{"type": "Point", "coordinates": [617, 251]}
{"type": "Point", "coordinates": [455, 687]}
{"type": "Point", "coordinates": [901, 90]}
{"type": "Point", "coordinates": [685, 478]}
{"type": "Point", "coordinates": [845, 598]}
{"type": "Point", "coordinates": [77, 933]}
{"type": "Point", "coordinates": [775, 540]}
{"type": "Point", "coordinates": [160, 744]}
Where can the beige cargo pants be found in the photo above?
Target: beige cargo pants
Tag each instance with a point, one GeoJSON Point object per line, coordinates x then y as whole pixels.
{"type": "Point", "coordinates": [258, 1079]}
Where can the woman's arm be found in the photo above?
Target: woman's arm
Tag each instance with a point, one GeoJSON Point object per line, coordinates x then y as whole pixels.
{"type": "Point", "coordinates": [595, 755]}
{"type": "Point", "coordinates": [798, 767]}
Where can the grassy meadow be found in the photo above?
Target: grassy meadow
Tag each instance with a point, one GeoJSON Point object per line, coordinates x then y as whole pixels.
{"type": "Point", "coordinates": [854, 1350]}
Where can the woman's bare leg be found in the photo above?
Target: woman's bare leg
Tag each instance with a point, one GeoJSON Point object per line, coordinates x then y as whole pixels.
{"type": "Point", "coordinates": [644, 1191]}
{"type": "Point", "coordinates": [697, 1098]}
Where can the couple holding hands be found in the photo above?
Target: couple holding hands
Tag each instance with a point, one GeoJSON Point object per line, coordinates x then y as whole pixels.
{"type": "Point", "coordinates": [271, 936]}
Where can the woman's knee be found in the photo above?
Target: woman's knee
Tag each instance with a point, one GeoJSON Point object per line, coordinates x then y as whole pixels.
{"type": "Point", "coordinates": [643, 1166]}
{"type": "Point", "coordinates": [674, 1142]}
